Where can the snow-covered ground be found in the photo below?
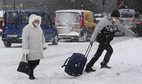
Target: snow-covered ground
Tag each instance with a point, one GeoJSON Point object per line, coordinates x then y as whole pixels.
{"type": "Point", "coordinates": [126, 63]}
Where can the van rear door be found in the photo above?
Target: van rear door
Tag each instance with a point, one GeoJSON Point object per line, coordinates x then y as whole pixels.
{"type": "Point", "coordinates": [11, 25]}
{"type": "Point", "coordinates": [67, 22]}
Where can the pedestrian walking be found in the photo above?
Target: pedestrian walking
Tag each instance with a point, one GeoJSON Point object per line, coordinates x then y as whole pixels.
{"type": "Point", "coordinates": [33, 43]}
{"type": "Point", "coordinates": [104, 34]}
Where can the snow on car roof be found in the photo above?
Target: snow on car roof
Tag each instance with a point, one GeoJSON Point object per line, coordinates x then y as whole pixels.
{"type": "Point", "coordinates": [79, 11]}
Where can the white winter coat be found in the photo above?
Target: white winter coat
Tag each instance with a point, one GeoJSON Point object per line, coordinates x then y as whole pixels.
{"type": "Point", "coordinates": [33, 40]}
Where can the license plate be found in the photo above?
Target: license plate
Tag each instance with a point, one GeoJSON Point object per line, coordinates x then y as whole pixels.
{"type": "Point", "coordinates": [12, 35]}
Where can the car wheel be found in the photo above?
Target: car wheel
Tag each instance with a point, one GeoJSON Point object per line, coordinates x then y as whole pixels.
{"type": "Point", "coordinates": [83, 37]}
{"type": "Point", "coordinates": [7, 44]}
{"type": "Point", "coordinates": [55, 40]}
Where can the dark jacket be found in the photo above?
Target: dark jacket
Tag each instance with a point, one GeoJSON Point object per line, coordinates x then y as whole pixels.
{"type": "Point", "coordinates": [106, 29]}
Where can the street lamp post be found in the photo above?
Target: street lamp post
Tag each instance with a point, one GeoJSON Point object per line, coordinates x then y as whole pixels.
{"type": "Point", "coordinates": [23, 4]}
{"type": "Point", "coordinates": [14, 5]}
{"type": "Point", "coordinates": [103, 3]}
{"type": "Point", "coordinates": [4, 4]}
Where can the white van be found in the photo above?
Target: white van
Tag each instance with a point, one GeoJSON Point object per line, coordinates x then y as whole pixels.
{"type": "Point", "coordinates": [74, 24]}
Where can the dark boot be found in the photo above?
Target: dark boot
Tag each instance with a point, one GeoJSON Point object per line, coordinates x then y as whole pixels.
{"type": "Point", "coordinates": [104, 65]}
{"type": "Point", "coordinates": [32, 66]}
{"type": "Point", "coordinates": [31, 75]}
{"type": "Point", "coordinates": [31, 72]}
{"type": "Point", "coordinates": [89, 69]}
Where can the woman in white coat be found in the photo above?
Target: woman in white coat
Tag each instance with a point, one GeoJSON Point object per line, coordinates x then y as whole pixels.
{"type": "Point", "coordinates": [33, 43]}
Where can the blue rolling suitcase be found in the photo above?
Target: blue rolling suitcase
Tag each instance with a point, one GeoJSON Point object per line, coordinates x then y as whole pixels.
{"type": "Point", "coordinates": [74, 65]}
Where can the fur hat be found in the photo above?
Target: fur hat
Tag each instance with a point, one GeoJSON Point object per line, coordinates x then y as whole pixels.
{"type": "Point", "coordinates": [115, 13]}
{"type": "Point", "coordinates": [32, 18]}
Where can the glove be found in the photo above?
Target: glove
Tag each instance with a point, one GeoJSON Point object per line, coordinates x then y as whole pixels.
{"type": "Point", "coordinates": [135, 35]}
{"type": "Point", "coordinates": [91, 42]}
{"type": "Point", "coordinates": [25, 51]}
{"type": "Point", "coordinates": [45, 46]}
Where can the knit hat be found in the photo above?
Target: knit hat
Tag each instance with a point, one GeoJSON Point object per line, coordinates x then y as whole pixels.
{"type": "Point", "coordinates": [115, 13]}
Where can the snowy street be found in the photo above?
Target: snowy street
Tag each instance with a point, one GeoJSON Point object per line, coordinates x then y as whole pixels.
{"type": "Point", "coordinates": [126, 63]}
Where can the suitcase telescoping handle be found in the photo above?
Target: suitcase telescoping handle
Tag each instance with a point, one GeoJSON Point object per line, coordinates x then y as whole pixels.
{"type": "Point", "coordinates": [88, 50]}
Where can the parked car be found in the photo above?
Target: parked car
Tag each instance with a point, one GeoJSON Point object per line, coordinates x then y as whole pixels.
{"type": "Point", "coordinates": [133, 22]}
{"type": "Point", "coordinates": [126, 16]}
{"type": "Point", "coordinates": [14, 21]}
{"type": "Point", "coordinates": [74, 24]}
{"type": "Point", "coordinates": [139, 27]}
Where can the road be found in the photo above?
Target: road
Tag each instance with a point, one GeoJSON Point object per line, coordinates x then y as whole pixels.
{"type": "Point", "coordinates": [126, 65]}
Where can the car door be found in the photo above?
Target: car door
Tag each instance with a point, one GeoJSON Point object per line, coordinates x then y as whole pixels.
{"type": "Point", "coordinates": [11, 25]}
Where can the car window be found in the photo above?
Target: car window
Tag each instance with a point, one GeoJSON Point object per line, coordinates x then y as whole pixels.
{"type": "Point", "coordinates": [11, 18]}
{"type": "Point", "coordinates": [67, 17]}
{"type": "Point", "coordinates": [126, 15]}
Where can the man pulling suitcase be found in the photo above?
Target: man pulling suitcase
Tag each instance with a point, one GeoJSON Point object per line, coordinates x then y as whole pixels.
{"type": "Point", "coordinates": [104, 34]}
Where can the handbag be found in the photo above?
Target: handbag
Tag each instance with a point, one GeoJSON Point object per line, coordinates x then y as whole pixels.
{"type": "Point", "coordinates": [23, 65]}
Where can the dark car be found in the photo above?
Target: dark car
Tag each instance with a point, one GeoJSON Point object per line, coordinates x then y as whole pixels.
{"type": "Point", "coordinates": [139, 27]}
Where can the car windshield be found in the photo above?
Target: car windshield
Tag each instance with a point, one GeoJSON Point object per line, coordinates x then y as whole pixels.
{"type": "Point", "coordinates": [11, 17]}
{"type": "Point", "coordinates": [67, 17]}
{"type": "Point", "coordinates": [128, 13]}
{"type": "Point", "coordinates": [26, 15]}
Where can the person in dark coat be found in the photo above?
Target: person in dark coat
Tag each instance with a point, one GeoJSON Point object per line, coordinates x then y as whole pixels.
{"type": "Point", "coordinates": [104, 34]}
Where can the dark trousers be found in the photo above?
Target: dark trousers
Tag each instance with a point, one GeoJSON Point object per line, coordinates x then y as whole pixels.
{"type": "Point", "coordinates": [100, 50]}
{"type": "Point", "coordinates": [32, 65]}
